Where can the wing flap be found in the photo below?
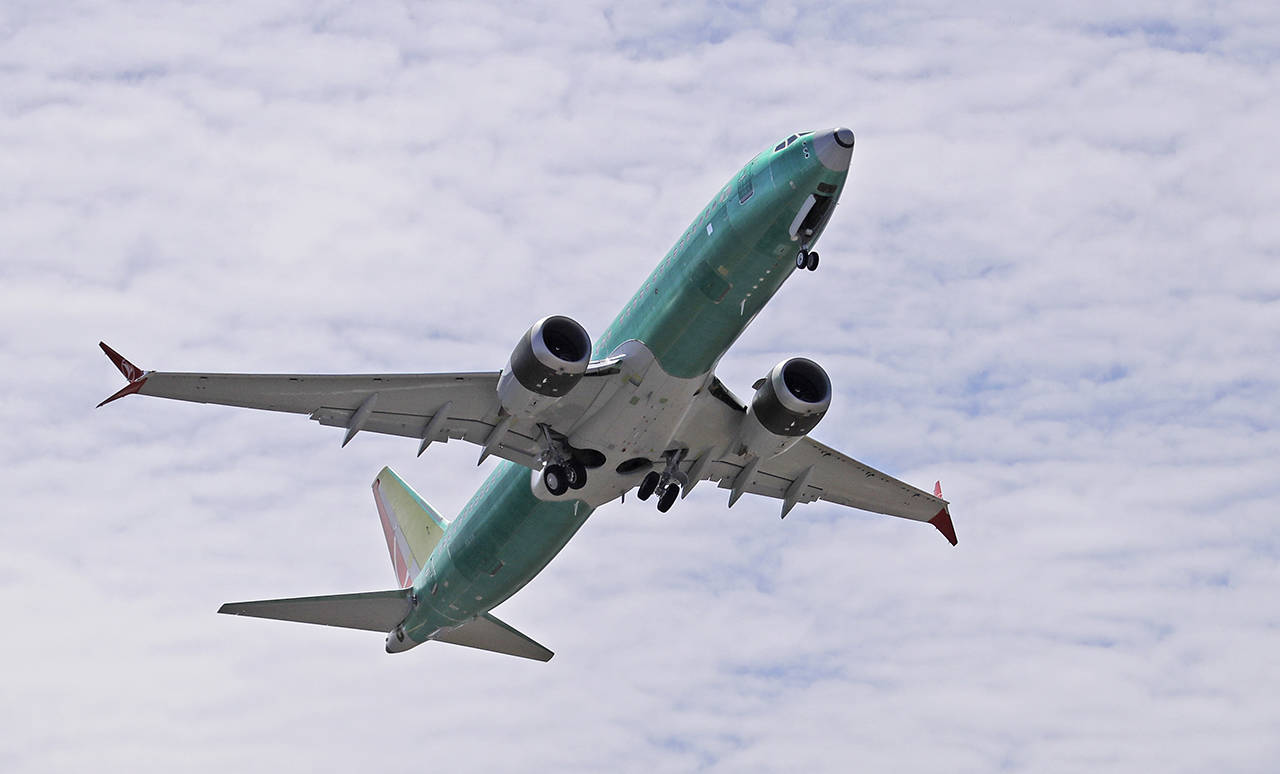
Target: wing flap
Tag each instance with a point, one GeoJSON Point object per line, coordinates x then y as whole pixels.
{"type": "Point", "coordinates": [517, 445]}
{"type": "Point", "coordinates": [375, 611]}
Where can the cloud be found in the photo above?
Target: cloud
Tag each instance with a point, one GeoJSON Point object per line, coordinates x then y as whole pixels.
{"type": "Point", "coordinates": [1051, 283]}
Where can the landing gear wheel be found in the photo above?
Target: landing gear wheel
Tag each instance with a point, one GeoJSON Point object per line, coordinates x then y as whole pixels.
{"type": "Point", "coordinates": [668, 498]}
{"type": "Point", "coordinates": [577, 473]}
{"type": "Point", "coordinates": [802, 259]}
{"type": "Point", "coordinates": [649, 484]}
{"type": "Point", "coordinates": [556, 479]}
{"type": "Point", "coordinates": [812, 262]}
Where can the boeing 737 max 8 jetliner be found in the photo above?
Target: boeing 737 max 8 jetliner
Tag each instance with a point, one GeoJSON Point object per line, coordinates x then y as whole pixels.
{"type": "Point", "coordinates": [578, 424]}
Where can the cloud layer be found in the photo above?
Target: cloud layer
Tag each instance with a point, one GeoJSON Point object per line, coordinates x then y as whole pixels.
{"type": "Point", "coordinates": [1052, 283]}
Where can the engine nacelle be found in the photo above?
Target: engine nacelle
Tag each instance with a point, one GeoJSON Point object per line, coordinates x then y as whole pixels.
{"type": "Point", "coordinates": [788, 403]}
{"type": "Point", "coordinates": [548, 361]}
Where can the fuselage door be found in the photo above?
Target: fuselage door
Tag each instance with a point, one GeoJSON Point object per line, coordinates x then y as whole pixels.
{"type": "Point", "coordinates": [811, 217]}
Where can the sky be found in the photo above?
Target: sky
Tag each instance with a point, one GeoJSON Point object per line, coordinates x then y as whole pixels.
{"type": "Point", "coordinates": [1053, 282]}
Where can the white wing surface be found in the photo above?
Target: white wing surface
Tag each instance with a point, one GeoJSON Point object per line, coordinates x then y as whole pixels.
{"type": "Point", "coordinates": [804, 473]}
{"type": "Point", "coordinates": [428, 407]}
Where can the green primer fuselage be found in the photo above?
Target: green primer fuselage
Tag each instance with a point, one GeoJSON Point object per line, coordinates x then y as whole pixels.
{"type": "Point", "coordinates": [726, 265]}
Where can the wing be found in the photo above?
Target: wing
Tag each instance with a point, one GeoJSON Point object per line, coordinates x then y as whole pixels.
{"type": "Point", "coordinates": [428, 407]}
{"type": "Point", "coordinates": [804, 473]}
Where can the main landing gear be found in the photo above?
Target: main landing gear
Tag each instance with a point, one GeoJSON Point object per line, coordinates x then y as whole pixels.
{"type": "Point", "coordinates": [807, 259]}
{"type": "Point", "coordinates": [651, 483]}
{"type": "Point", "coordinates": [560, 478]}
{"type": "Point", "coordinates": [668, 482]}
{"type": "Point", "coordinates": [563, 470]}
{"type": "Point", "coordinates": [648, 485]}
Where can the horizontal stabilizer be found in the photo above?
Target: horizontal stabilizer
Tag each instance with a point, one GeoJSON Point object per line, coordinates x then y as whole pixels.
{"type": "Point", "coordinates": [375, 611]}
{"type": "Point", "coordinates": [488, 633]}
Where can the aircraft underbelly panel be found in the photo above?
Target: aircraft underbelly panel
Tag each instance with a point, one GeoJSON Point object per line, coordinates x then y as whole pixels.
{"type": "Point", "coordinates": [643, 413]}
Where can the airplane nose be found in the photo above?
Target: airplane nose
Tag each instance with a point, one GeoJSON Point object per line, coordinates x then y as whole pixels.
{"type": "Point", "coordinates": [834, 148]}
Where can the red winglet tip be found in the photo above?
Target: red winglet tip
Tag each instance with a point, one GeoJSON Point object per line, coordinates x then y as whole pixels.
{"type": "Point", "coordinates": [129, 370]}
{"type": "Point", "coordinates": [943, 522]}
{"type": "Point", "coordinates": [128, 389]}
{"type": "Point", "coordinates": [937, 489]}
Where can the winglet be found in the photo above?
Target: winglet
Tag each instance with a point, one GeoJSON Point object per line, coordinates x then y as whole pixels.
{"type": "Point", "coordinates": [943, 522]}
{"type": "Point", "coordinates": [136, 376]}
{"type": "Point", "coordinates": [937, 489]}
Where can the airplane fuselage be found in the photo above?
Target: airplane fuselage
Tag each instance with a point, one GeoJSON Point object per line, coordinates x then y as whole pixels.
{"type": "Point", "coordinates": [718, 276]}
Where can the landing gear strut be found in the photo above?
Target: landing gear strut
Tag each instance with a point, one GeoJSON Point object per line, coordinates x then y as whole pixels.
{"type": "Point", "coordinates": [562, 471]}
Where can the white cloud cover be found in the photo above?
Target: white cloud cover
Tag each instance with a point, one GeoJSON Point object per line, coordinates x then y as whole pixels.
{"type": "Point", "coordinates": [1052, 283]}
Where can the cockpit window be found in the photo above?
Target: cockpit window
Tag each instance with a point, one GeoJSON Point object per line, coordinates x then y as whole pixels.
{"type": "Point", "coordinates": [789, 140]}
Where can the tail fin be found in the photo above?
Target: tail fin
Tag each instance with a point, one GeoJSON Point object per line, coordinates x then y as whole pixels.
{"type": "Point", "coordinates": [411, 526]}
{"type": "Point", "coordinates": [375, 611]}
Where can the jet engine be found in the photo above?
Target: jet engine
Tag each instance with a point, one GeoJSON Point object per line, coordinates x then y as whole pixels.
{"type": "Point", "coordinates": [788, 403]}
{"type": "Point", "coordinates": [548, 361]}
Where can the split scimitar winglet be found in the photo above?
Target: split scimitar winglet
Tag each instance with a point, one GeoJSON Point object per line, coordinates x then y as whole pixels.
{"type": "Point", "coordinates": [136, 376]}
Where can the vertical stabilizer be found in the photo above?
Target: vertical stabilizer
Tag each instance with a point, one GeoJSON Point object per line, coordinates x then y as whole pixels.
{"type": "Point", "coordinates": [411, 526]}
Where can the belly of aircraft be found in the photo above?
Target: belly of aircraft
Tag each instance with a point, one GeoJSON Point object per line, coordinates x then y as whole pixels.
{"type": "Point", "coordinates": [496, 552]}
{"type": "Point", "coordinates": [637, 422]}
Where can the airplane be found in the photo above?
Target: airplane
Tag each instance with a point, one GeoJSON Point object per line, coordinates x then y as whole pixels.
{"type": "Point", "coordinates": [578, 424]}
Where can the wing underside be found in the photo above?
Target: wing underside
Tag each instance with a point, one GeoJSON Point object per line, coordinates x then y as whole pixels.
{"type": "Point", "coordinates": [806, 472]}
{"type": "Point", "coordinates": [465, 406]}
{"type": "Point", "coordinates": [427, 407]}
